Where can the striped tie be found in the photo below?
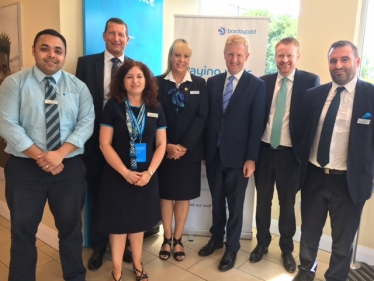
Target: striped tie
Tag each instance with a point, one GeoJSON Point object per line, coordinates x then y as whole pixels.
{"type": "Point", "coordinates": [52, 115]}
{"type": "Point", "coordinates": [228, 93]}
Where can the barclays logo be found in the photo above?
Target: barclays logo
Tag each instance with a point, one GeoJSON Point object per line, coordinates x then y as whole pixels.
{"type": "Point", "coordinates": [221, 31]}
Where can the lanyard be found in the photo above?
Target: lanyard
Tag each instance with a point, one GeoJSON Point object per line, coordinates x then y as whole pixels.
{"type": "Point", "coordinates": [138, 122]}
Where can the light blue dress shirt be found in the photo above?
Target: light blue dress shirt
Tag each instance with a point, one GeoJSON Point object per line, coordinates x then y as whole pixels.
{"type": "Point", "coordinates": [22, 111]}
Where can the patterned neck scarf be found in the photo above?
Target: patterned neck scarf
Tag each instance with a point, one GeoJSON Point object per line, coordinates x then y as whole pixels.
{"type": "Point", "coordinates": [180, 95]}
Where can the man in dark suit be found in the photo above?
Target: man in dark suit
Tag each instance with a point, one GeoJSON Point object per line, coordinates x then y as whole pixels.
{"type": "Point", "coordinates": [237, 102]}
{"type": "Point", "coordinates": [337, 161]}
{"type": "Point", "coordinates": [96, 70]}
{"type": "Point", "coordinates": [278, 161]}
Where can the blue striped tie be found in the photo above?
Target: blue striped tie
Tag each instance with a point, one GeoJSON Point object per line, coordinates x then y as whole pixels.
{"type": "Point", "coordinates": [228, 93]}
{"type": "Point", "coordinates": [323, 153]}
{"type": "Point", "coordinates": [52, 115]}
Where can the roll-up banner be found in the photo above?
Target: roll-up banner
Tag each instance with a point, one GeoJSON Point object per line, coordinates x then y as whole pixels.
{"type": "Point", "coordinates": [207, 36]}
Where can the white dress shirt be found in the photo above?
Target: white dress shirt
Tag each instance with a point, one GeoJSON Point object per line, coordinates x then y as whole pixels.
{"type": "Point", "coordinates": [285, 134]}
{"type": "Point", "coordinates": [340, 134]}
{"type": "Point", "coordinates": [234, 82]}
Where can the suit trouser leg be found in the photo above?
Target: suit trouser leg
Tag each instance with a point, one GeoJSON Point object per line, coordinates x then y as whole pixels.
{"type": "Point", "coordinates": [235, 186]}
{"type": "Point", "coordinates": [264, 180]}
{"type": "Point", "coordinates": [216, 187]}
{"type": "Point", "coordinates": [95, 164]}
{"type": "Point", "coordinates": [286, 178]}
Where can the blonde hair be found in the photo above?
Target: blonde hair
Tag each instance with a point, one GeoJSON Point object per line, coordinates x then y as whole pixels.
{"type": "Point", "coordinates": [178, 44]}
{"type": "Point", "coordinates": [237, 39]}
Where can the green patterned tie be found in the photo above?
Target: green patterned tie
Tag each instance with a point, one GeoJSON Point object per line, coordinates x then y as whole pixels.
{"type": "Point", "coordinates": [276, 129]}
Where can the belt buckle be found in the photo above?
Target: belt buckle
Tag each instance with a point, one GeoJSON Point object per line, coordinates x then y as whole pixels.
{"type": "Point", "coordinates": [326, 171]}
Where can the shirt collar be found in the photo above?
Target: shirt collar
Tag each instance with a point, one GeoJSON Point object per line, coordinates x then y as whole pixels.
{"type": "Point", "coordinates": [170, 77]}
{"type": "Point", "coordinates": [350, 86]}
{"type": "Point", "coordinates": [108, 56]}
{"type": "Point", "coordinates": [40, 75]}
{"type": "Point", "coordinates": [237, 75]}
{"type": "Point", "coordinates": [290, 77]}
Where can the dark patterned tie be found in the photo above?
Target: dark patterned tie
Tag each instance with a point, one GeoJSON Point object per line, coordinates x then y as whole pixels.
{"type": "Point", "coordinates": [228, 93]}
{"type": "Point", "coordinates": [52, 115]}
{"type": "Point", "coordinates": [116, 63]}
{"type": "Point", "coordinates": [323, 153]}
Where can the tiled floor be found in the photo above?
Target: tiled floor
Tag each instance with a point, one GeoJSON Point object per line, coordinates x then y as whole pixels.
{"type": "Point", "coordinates": [193, 268]}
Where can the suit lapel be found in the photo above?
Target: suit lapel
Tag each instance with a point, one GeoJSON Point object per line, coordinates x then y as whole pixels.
{"type": "Point", "coordinates": [320, 99]}
{"type": "Point", "coordinates": [295, 89]}
{"type": "Point", "coordinates": [219, 96]}
{"type": "Point", "coordinates": [270, 92]}
{"type": "Point", "coordinates": [359, 103]}
{"type": "Point", "coordinates": [99, 66]}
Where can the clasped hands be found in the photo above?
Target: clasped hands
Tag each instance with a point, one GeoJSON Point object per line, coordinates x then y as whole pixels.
{"type": "Point", "coordinates": [175, 151]}
{"type": "Point", "coordinates": [51, 162]}
{"type": "Point", "coordinates": [138, 178]}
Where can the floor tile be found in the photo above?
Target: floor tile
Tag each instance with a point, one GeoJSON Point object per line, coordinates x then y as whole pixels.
{"type": "Point", "coordinates": [267, 270]}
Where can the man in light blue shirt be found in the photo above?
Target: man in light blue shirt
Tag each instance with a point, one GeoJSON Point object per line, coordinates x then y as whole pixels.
{"type": "Point", "coordinates": [37, 105]}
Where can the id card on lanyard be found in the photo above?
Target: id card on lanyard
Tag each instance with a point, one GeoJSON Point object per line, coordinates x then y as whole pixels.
{"type": "Point", "coordinates": [141, 148]}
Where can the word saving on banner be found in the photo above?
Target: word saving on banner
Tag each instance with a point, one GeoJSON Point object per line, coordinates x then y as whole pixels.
{"type": "Point", "coordinates": [207, 37]}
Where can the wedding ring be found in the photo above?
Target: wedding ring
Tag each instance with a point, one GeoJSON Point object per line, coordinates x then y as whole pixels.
{"type": "Point", "coordinates": [47, 166]}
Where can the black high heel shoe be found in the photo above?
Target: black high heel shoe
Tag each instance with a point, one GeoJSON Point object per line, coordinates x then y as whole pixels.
{"type": "Point", "coordinates": [178, 254]}
{"type": "Point", "coordinates": [120, 278]}
{"type": "Point", "coordinates": [165, 253]}
{"type": "Point", "coordinates": [142, 275]}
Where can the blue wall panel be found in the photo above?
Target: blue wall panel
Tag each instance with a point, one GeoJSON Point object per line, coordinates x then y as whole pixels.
{"type": "Point", "coordinates": [144, 19]}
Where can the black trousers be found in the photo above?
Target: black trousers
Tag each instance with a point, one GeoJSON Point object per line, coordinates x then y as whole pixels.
{"type": "Point", "coordinates": [279, 167]}
{"type": "Point", "coordinates": [226, 184]}
{"type": "Point", "coordinates": [95, 162]}
{"type": "Point", "coordinates": [27, 189]}
{"type": "Point", "coordinates": [324, 194]}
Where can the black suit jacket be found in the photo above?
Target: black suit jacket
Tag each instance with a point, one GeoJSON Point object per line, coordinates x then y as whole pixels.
{"type": "Point", "coordinates": [302, 81]}
{"type": "Point", "coordinates": [90, 70]}
{"type": "Point", "coordinates": [360, 159]}
{"type": "Point", "coordinates": [187, 127]}
{"type": "Point", "coordinates": [241, 125]}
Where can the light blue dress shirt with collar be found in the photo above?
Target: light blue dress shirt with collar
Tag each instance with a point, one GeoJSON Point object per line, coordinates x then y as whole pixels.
{"type": "Point", "coordinates": [22, 111]}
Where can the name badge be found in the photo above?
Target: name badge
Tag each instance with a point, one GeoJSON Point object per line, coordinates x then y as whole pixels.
{"type": "Point", "coordinates": [51, 101]}
{"type": "Point", "coordinates": [141, 152]}
{"type": "Point", "coordinates": [152, 114]}
{"type": "Point", "coordinates": [194, 92]}
{"type": "Point", "coordinates": [363, 121]}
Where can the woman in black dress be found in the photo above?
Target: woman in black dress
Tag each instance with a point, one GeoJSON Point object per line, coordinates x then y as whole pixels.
{"type": "Point", "coordinates": [184, 99]}
{"type": "Point", "coordinates": [133, 141]}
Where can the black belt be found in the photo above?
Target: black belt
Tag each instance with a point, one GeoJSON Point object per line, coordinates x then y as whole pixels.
{"type": "Point", "coordinates": [279, 147]}
{"type": "Point", "coordinates": [328, 171]}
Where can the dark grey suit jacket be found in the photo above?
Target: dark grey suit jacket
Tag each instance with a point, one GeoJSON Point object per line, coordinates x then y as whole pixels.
{"type": "Point", "coordinates": [241, 125]}
{"type": "Point", "coordinates": [360, 160]}
{"type": "Point", "coordinates": [302, 81]}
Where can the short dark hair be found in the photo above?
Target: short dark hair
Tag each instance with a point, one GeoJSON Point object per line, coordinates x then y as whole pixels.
{"type": "Point", "coordinates": [342, 43]}
{"type": "Point", "coordinates": [118, 91]}
{"type": "Point", "coordinates": [117, 21]}
{"type": "Point", "coordinates": [288, 40]}
{"type": "Point", "coordinates": [50, 32]}
{"type": "Point", "coordinates": [5, 44]}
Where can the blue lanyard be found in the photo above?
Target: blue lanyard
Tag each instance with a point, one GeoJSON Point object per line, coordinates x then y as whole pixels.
{"type": "Point", "coordinates": [136, 121]}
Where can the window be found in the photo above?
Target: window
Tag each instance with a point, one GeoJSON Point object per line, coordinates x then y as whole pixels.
{"type": "Point", "coordinates": [367, 58]}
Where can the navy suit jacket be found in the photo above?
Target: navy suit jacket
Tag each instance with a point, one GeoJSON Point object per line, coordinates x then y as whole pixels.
{"type": "Point", "coordinates": [186, 128]}
{"type": "Point", "coordinates": [360, 159]}
{"type": "Point", "coordinates": [241, 125]}
{"type": "Point", "coordinates": [90, 70]}
{"type": "Point", "coordinates": [302, 81]}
